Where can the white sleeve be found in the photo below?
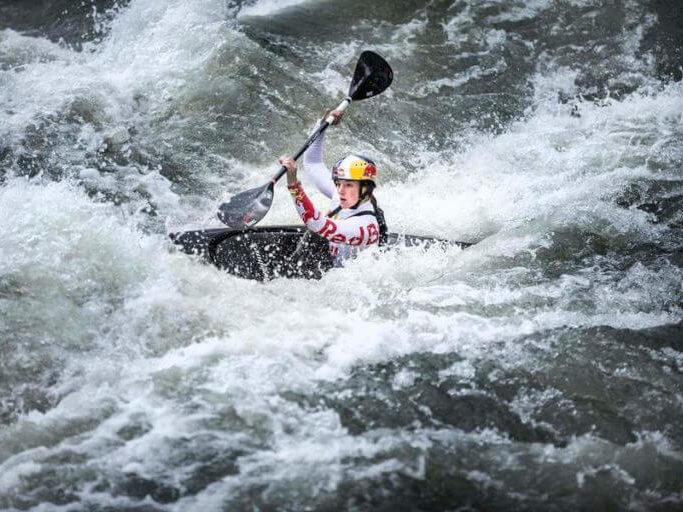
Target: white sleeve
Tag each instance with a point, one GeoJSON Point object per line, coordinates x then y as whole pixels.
{"type": "Point", "coordinates": [315, 169]}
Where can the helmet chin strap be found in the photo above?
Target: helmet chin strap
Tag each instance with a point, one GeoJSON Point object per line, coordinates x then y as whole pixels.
{"type": "Point", "coordinates": [365, 191]}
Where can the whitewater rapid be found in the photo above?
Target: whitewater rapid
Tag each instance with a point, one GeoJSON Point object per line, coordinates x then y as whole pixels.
{"type": "Point", "coordinates": [539, 369]}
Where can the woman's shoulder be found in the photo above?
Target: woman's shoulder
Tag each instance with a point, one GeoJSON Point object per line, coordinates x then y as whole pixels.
{"type": "Point", "coordinates": [364, 209]}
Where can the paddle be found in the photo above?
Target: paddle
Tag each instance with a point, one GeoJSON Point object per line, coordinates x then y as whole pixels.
{"type": "Point", "coordinates": [371, 77]}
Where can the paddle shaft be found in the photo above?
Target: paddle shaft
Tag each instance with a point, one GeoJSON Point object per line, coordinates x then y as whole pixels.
{"type": "Point", "coordinates": [327, 122]}
{"type": "Point", "coordinates": [371, 77]}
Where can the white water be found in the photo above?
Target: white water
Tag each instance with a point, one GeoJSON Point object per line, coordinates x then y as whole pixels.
{"type": "Point", "coordinates": [268, 7]}
{"type": "Point", "coordinates": [138, 334]}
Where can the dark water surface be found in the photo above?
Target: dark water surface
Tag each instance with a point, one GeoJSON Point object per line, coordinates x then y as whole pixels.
{"type": "Point", "coordinates": [538, 370]}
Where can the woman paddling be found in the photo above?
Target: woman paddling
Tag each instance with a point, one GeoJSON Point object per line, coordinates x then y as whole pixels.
{"type": "Point", "coordinates": [354, 220]}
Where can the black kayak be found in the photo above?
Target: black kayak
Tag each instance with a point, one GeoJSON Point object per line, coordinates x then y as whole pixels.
{"type": "Point", "coordinates": [263, 253]}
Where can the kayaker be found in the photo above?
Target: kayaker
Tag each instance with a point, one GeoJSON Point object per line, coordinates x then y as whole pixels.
{"type": "Point", "coordinates": [354, 221]}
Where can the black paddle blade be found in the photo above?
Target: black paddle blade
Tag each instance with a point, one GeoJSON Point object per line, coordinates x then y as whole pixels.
{"type": "Point", "coordinates": [372, 76]}
{"type": "Point", "coordinates": [247, 208]}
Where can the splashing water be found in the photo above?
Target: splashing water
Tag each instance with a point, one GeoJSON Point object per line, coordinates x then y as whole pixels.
{"type": "Point", "coordinates": [538, 370]}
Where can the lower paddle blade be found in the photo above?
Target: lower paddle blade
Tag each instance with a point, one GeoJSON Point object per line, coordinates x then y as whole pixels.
{"type": "Point", "coordinates": [247, 208]}
{"type": "Point", "coordinates": [372, 76]}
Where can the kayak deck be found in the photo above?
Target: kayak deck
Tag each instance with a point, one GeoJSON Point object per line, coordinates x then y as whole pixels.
{"type": "Point", "coordinates": [263, 253]}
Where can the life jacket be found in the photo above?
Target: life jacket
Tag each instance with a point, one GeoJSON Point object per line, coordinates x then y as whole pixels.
{"type": "Point", "coordinates": [379, 216]}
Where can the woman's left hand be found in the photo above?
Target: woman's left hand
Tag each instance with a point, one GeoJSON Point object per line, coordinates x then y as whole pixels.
{"type": "Point", "coordinates": [288, 163]}
{"type": "Point", "coordinates": [336, 116]}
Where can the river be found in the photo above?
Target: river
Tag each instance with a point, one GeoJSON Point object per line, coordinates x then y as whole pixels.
{"type": "Point", "coordinates": [540, 369]}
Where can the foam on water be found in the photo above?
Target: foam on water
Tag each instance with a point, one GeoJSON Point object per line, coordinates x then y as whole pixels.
{"type": "Point", "coordinates": [268, 7]}
{"type": "Point", "coordinates": [152, 370]}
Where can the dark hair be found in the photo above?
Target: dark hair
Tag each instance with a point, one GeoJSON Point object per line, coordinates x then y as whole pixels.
{"type": "Point", "coordinates": [381, 222]}
{"type": "Point", "coordinates": [367, 192]}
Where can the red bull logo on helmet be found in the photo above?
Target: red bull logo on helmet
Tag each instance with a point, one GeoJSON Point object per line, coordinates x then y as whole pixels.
{"type": "Point", "coordinates": [370, 171]}
{"type": "Point", "coordinates": [354, 167]}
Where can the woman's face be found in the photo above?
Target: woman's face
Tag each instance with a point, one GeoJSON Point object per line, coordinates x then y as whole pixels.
{"type": "Point", "coordinates": [348, 192]}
